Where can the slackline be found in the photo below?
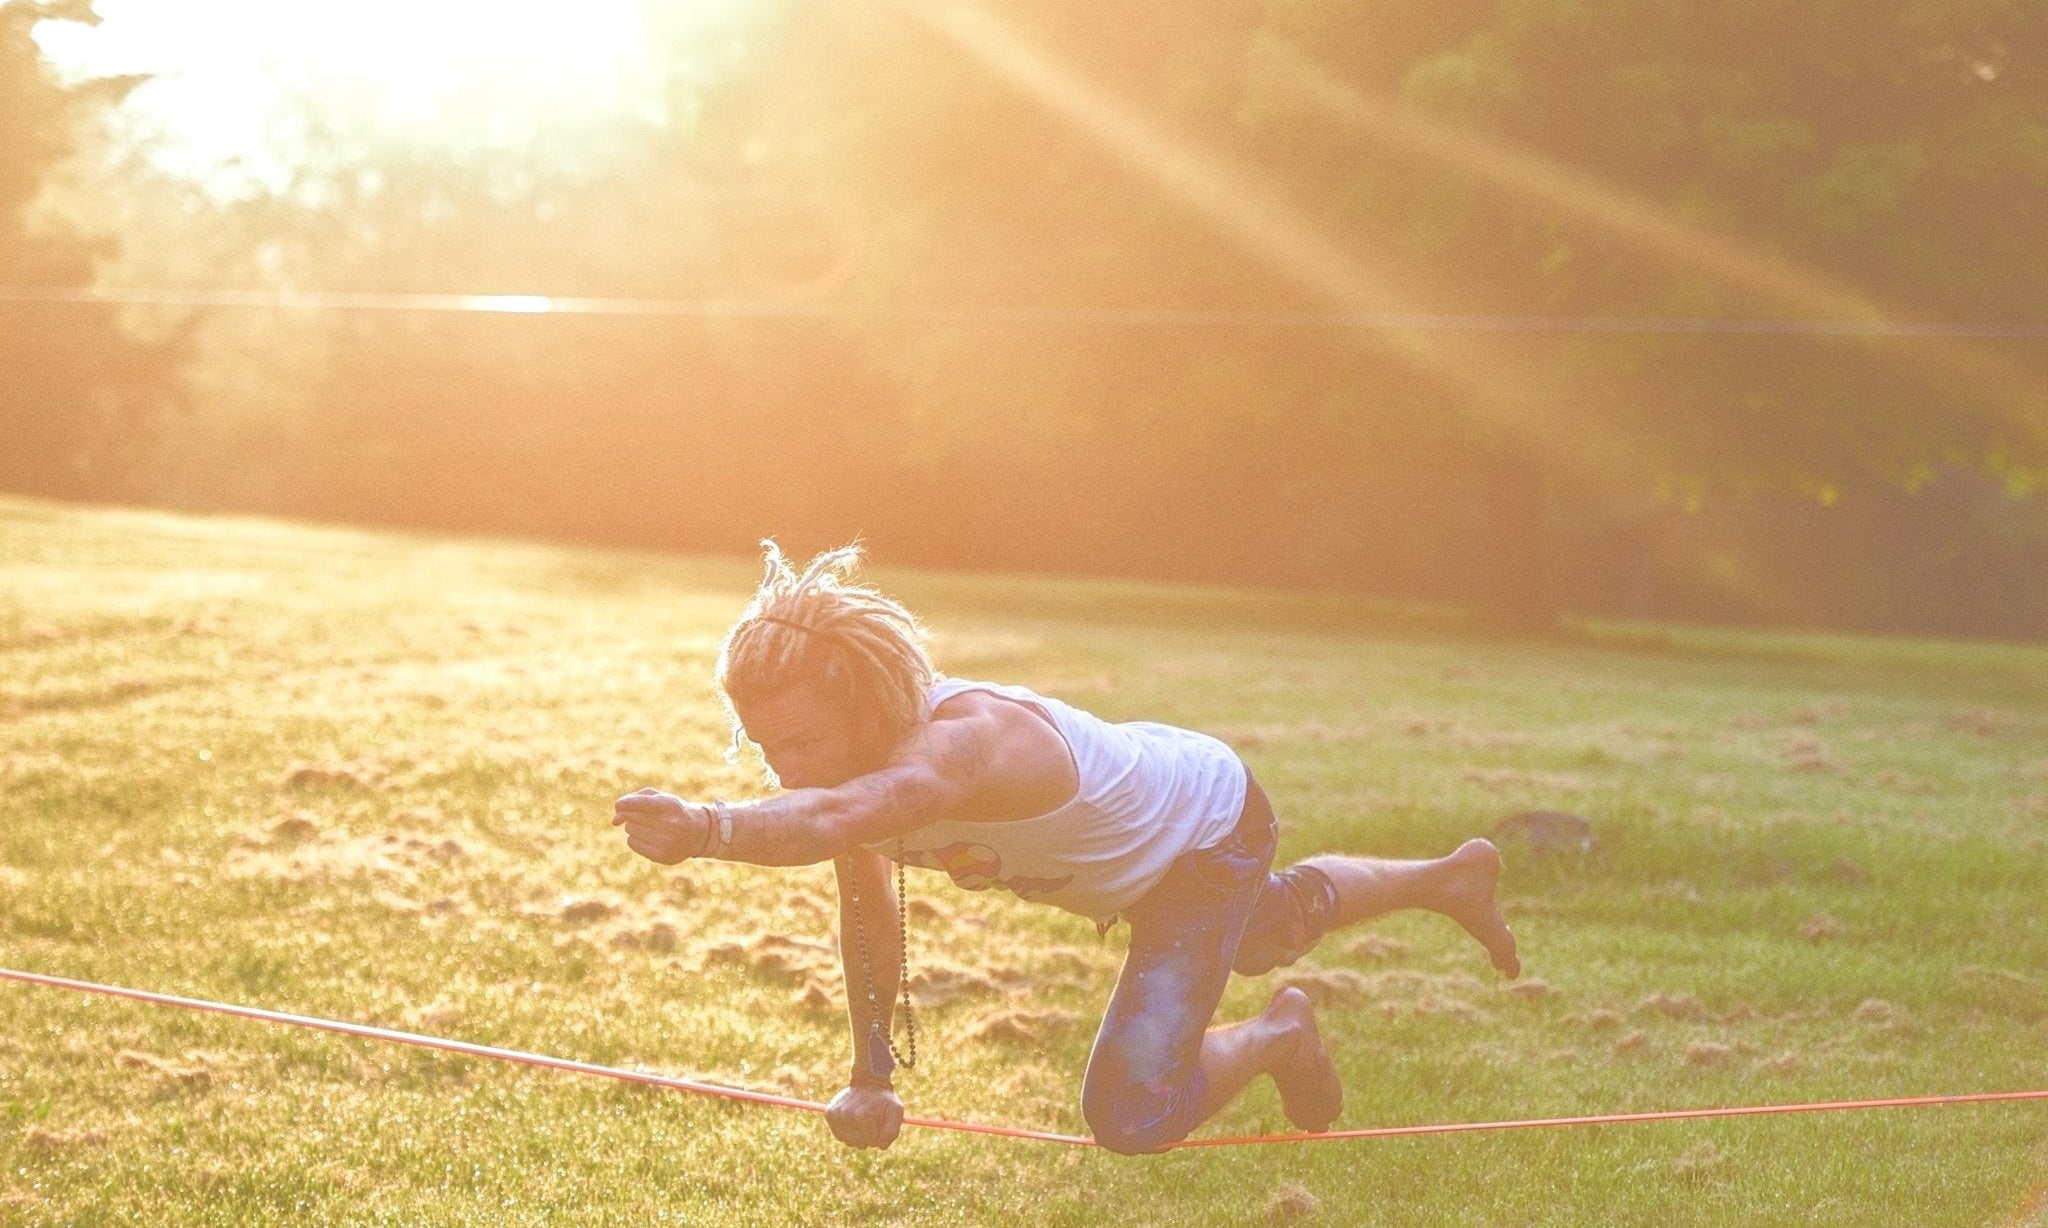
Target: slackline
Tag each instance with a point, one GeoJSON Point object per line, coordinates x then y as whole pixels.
{"type": "Point", "coordinates": [647, 1078]}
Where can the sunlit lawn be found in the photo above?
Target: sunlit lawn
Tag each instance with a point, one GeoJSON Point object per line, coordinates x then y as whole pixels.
{"type": "Point", "coordinates": [367, 777]}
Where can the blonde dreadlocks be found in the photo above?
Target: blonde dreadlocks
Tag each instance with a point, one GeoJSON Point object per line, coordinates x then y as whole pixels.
{"type": "Point", "coordinates": [859, 649]}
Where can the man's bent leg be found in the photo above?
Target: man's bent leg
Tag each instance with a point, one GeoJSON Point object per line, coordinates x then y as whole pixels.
{"type": "Point", "coordinates": [1148, 1080]}
{"type": "Point", "coordinates": [1305, 901]}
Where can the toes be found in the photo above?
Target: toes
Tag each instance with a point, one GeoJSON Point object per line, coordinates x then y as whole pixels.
{"type": "Point", "coordinates": [1505, 954]}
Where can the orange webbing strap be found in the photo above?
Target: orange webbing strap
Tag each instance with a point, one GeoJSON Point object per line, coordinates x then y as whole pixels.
{"type": "Point", "coordinates": [788, 1102]}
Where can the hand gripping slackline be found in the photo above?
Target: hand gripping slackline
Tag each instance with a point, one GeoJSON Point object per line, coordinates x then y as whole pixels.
{"type": "Point", "coordinates": [468, 1049]}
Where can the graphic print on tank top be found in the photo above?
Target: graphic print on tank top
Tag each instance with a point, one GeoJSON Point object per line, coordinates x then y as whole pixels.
{"type": "Point", "coordinates": [977, 867]}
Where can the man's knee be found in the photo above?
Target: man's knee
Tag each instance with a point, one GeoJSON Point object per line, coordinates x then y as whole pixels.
{"type": "Point", "coordinates": [1294, 911]}
{"type": "Point", "coordinates": [1132, 1120]}
{"type": "Point", "coordinates": [1114, 1131]}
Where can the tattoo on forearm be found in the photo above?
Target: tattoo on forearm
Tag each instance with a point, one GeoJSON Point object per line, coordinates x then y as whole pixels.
{"type": "Point", "coordinates": [792, 829]}
{"type": "Point", "coordinates": [774, 833]}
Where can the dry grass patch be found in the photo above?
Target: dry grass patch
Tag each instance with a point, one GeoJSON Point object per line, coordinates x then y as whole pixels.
{"type": "Point", "coordinates": [1803, 752]}
{"type": "Point", "coordinates": [1599, 1019]}
{"type": "Point", "coordinates": [1784, 1062]}
{"type": "Point", "coordinates": [1675, 1006]}
{"type": "Point", "coordinates": [1820, 927]}
{"type": "Point", "coordinates": [777, 958]}
{"type": "Point", "coordinates": [42, 1138]}
{"type": "Point", "coordinates": [1708, 1053]}
{"type": "Point", "coordinates": [1396, 992]}
{"type": "Point", "coordinates": [195, 1072]}
{"type": "Point", "coordinates": [1520, 780]}
{"type": "Point", "coordinates": [936, 983]}
{"type": "Point", "coordinates": [1290, 1204]}
{"type": "Point", "coordinates": [1028, 1028]}
{"type": "Point", "coordinates": [1984, 722]}
{"type": "Point", "coordinates": [1377, 948]}
{"type": "Point", "coordinates": [1701, 1161]}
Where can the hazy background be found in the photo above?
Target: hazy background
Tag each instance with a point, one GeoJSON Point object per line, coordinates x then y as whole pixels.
{"type": "Point", "coordinates": [1723, 311]}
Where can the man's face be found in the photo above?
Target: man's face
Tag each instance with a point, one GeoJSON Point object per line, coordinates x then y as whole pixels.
{"type": "Point", "coordinates": [809, 741]}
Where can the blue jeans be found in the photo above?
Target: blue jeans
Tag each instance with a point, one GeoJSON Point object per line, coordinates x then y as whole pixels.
{"type": "Point", "coordinates": [1144, 1088]}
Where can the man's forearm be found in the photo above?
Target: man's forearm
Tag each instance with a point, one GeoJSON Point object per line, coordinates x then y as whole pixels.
{"type": "Point", "coordinates": [871, 955]}
{"type": "Point", "coordinates": [806, 826]}
{"type": "Point", "coordinates": [799, 828]}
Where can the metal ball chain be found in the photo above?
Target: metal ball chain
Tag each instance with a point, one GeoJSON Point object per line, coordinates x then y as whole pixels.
{"type": "Point", "coordinates": [867, 972]}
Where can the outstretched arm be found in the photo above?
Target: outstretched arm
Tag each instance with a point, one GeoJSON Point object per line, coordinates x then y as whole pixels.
{"type": "Point", "coordinates": [950, 769]}
{"type": "Point", "coordinates": [868, 1113]}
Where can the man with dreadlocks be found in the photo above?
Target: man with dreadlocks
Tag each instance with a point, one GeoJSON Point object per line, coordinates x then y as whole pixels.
{"type": "Point", "coordinates": [883, 760]}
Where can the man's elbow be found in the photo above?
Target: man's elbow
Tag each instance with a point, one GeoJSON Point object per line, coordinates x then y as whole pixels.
{"type": "Point", "coordinates": [828, 835]}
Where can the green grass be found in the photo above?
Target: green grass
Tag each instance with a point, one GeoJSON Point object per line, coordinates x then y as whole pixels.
{"type": "Point", "coordinates": [367, 777]}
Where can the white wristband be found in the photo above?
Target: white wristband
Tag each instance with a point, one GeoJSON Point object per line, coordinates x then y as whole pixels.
{"type": "Point", "coordinates": [724, 826]}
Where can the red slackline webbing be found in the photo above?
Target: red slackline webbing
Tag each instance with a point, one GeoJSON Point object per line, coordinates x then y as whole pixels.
{"type": "Point", "coordinates": [736, 1093]}
{"type": "Point", "coordinates": [504, 1055]}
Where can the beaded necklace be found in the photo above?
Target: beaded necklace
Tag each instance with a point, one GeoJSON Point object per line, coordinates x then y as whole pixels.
{"type": "Point", "coordinates": [883, 1056]}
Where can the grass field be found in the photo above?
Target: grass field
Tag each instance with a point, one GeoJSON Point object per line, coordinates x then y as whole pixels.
{"type": "Point", "coordinates": [368, 776]}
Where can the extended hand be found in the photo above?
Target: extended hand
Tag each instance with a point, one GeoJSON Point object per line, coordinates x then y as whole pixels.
{"type": "Point", "coordinates": [662, 827]}
{"type": "Point", "coordinates": [865, 1116]}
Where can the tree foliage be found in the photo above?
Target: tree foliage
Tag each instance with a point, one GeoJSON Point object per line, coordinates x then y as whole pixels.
{"type": "Point", "coordinates": [1818, 164]}
{"type": "Point", "coordinates": [79, 392]}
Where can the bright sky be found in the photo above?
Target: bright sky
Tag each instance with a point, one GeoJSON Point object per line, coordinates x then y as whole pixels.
{"type": "Point", "coordinates": [236, 81]}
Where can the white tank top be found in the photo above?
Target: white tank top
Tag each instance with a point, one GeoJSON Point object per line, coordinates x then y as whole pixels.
{"type": "Point", "coordinates": [1148, 793]}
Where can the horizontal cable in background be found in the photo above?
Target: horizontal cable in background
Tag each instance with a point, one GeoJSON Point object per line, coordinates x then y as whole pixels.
{"type": "Point", "coordinates": [1152, 317]}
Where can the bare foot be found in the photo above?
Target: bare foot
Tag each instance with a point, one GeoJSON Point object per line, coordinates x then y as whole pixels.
{"type": "Point", "coordinates": [1471, 884]}
{"type": "Point", "coordinates": [1311, 1094]}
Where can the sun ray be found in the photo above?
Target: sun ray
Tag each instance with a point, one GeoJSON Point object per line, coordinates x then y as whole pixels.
{"type": "Point", "coordinates": [1228, 197]}
{"type": "Point", "coordinates": [2014, 397]}
{"type": "Point", "coordinates": [2018, 395]}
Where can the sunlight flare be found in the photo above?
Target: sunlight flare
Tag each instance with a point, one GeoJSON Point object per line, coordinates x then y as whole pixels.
{"type": "Point", "coordinates": [1228, 196]}
{"type": "Point", "coordinates": [242, 91]}
{"type": "Point", "coordinates": [2018, 394]}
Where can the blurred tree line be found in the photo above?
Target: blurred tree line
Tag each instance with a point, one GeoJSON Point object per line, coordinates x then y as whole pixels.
{"type": "Point", "coordinates": [1611, 306]}
{"type": "Point", "coordinates": [81, 391]}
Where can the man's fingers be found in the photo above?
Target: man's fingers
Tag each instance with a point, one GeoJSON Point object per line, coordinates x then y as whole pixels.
{"type": "Point", "coordinates": [654, 850]}
{"type": "Point", "coordinates": [882, 1124]}
{"type": "Point", "coordinates": [637, 835]}
{"type": "Point", "coordinates": [865, 1118]}
{"type": "Point", "coordinates": [648, 800]}
{"type": "Point", "coordinates": [649, 825]}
